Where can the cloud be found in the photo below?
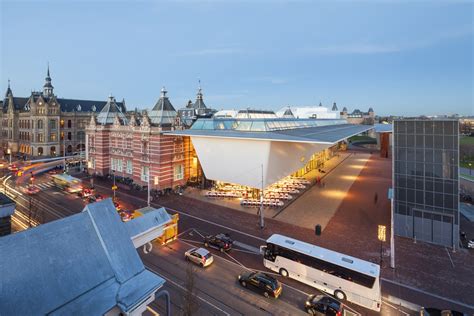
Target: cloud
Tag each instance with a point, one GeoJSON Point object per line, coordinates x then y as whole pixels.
{"type": "Point", "coordinates": [212, 51]}
{"type": "Point", "coordinates": [384, 48]}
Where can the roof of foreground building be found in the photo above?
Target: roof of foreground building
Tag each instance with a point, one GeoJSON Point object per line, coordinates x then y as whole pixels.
{"type": "Point", "coordinates": [280, 129]}
{"type": "Point", "coordinates": [84, 264]}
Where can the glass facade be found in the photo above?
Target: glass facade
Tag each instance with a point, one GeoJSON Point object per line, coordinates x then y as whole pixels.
{"type": "Point", "coordinates": [261, 124]}
{"type": "Point", "coordinates": [426, 188]}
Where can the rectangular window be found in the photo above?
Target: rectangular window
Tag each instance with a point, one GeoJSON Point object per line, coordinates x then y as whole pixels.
{"type": "Point", "coordinates": [40, 138]}
{"type": "Point", "coordinates": [119, 166]}
{"type": "Point", "coordinates": [52, 137]}
{"type": "Point", "coordinates": [112, 163]}
{"type": "Point", "coordinates": [52, 124]}
{"type": "Point", "coordinates": [178, 172]}
{"type": "Point", "coordinates": [145, 173]}
{"type": "Point", "coordinates": [129, 167]}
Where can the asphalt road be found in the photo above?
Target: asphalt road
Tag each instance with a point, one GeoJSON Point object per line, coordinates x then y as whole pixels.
{"type": "Point", "coordinates": [217, 291]}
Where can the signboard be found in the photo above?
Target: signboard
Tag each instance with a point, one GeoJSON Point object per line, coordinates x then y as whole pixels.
{"type": "Point", "coordinates": [382, 232]}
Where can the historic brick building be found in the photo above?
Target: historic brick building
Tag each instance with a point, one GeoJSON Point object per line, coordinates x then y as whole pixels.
{"type": "Point", "coordinates": [45, 125]}
{"type": "Point", "coordinates": [136, 147]}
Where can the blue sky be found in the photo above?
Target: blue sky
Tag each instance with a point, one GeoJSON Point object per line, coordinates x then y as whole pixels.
{"type": "Point", "coordinates": [400, 57]}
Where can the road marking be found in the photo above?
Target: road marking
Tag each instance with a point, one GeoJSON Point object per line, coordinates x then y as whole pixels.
{"type": "Point", "coordinates": [395, 308]}
{"type": "Point", "coordinates": [452, 263]}
{"type": "Point", "coordinates": [151, 310]}
{"type": "Point", "coordinates": [247, 247]}
{"type": "Point", "coordinates": [189, 215]}
{"type": "Point", "coordinates": [240, 264]}
{"type": "Point", "coordinates": [182, 288]}
{"type": "Point", "coordinates": [428, 293]}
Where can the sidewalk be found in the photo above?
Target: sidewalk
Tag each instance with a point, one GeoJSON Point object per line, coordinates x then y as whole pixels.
{"type": "Point", "coordinates": [294, 211]}
{"type": "Point", "coordinates": [353, 230]}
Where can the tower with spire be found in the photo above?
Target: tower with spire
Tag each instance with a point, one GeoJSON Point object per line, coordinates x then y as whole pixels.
{"type": "Point", "coordinates": [48, 87]}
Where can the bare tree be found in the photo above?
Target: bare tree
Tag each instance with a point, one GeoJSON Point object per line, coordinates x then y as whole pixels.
{"type": "Point", "coordinates": [190, 303]}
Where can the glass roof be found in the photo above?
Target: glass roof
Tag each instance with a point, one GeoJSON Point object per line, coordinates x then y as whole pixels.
{"type": "Point", "coordinates": [261, 124]}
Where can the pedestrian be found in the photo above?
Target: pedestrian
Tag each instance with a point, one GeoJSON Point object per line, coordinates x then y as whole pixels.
{"type": "Point", "coordinates": [376, 198]}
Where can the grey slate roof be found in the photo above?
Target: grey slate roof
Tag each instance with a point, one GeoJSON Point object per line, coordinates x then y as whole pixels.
{"type": "Point", "coordinates": [110, 111]}
{"type": "Point", "coordinates": [320, 134]}
{"type": "Point", "coordinates": [84, 264]}
{"type": "Point", "coordinates": [163, 113]}
{"type": "Point", "coordinates": [67, 105]}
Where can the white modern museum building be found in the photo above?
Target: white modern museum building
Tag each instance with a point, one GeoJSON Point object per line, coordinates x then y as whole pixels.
{"type": "Point", "coordinates": [259, 152]}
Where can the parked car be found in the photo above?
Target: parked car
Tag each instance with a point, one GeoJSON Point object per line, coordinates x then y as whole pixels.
{"type": "Point", "coordinates": [261, 283]}
{"type": "Point", "coordinates": [117, 205]}
{"type": "Point", "coordinates": [199, 256]}
{"type": "Point", "coordinates": [94, 198]}
{"type": "Point", "coordinates": [430, 311]}
{"type": "Point", "coordinates": [125, 215]}
{"type": "Point", "coordinates": [470, 244]}
{"type": "Point", "coordinates": [221, 242]}
{"type": "Point", "coordinates": [323, 305]}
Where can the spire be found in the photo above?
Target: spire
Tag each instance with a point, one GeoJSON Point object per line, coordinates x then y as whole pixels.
{"type": "Point", "coordinates": [334, 107]}
{"type": "Point", "coordinates": [48, 87]}
{"type": "Point", "coordinates": [163, 92]}
{"type": "Point", "coordinates": [9, 91]}
{"type": "Point", "coordinates": [199, 93]}
{"type": "Point", "coordinates": [320, 104]}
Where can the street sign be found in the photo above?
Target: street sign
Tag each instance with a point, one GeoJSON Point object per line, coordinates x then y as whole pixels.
{"type": "Point", "coordinates": [114, 187]}
{"type": "Point", "coordinates": [382, 233]}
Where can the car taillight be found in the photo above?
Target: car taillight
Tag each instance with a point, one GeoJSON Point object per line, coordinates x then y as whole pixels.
{"type": "Point", "coordinates": [339, 314]}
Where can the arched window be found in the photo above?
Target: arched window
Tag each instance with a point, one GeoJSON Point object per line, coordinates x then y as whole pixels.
{"type": "Point", "coordinates": [40, 151]}
{"type": "Point", "coordinates": [69, 149]}
{"type": "Point", "coordinates": [53, 151]}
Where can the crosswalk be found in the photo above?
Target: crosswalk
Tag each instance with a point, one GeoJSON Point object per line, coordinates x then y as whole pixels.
{"type": "Point", "coordinates": [45, 185]}
{"type": "Point", "coordinates": [42, 186]}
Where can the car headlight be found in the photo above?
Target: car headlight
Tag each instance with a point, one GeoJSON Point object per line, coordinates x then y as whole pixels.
{"type": "Point", "coordinates": [239, 277]}
{"type": "Point", "coordinates": [307, 303]}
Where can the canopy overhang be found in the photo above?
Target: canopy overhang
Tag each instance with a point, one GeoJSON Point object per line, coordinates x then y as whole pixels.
{"type": "Point", "coordinates": [259, 159]}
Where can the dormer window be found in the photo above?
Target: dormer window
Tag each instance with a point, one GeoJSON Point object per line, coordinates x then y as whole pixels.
{"type": "Point", "coordinates": [94, 108]}
{"type": "Point", "coordinates": [78, 107]}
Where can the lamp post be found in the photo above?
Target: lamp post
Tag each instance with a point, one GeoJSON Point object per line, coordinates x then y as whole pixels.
{"type": "Point", "coordinates": [148, 200]}
{"type": "Point", "coordinates": [470, 169]}
{"type": "Point", "coordinates": [115, 187]}
{"type": "Point", "coordinates": [9, 152]}
{"type": "Point", "coordinates": [262, 224]}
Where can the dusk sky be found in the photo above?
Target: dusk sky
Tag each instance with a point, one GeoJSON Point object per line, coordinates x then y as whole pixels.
{"type": "Point", "coordinates": [399, 57]}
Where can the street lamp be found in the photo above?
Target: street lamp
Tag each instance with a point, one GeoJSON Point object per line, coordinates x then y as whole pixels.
{"type": "Point", "coordinates": [115, 187]}
{"type": "Point", "coordinates": [9, 151]}
{"type": "Point", "coordinates": [470, 169]}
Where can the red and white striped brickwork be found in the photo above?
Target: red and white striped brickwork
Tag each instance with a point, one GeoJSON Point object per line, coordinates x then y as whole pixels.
{"type": "Point", "coordinates": [143, 147]}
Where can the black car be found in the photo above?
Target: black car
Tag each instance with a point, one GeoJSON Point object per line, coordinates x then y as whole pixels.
{"type": "Point", "coordinates": [221, 242]}
{"type": "Point", "coordinates": [261, 283]}
{"type": "Point", "coordinates": [323, 305]}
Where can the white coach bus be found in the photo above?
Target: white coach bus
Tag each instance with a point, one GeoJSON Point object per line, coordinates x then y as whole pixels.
{"type": "Point", "coordinates": [345, 277]}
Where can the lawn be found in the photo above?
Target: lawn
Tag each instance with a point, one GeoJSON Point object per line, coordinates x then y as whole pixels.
{"type": "Point", "coordinates": [362, 138]}
{"type": "Point", "coordinates": [466, 140]}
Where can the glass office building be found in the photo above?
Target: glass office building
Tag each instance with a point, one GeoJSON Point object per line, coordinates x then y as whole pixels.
{"type": "Point", "coordinates": [425, 180]}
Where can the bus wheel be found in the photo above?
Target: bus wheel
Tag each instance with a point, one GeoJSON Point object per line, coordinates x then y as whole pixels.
{"type": "Point", "coordinates": [339, 295]}
{"type": "Point", "coordinates": [284, 273]}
